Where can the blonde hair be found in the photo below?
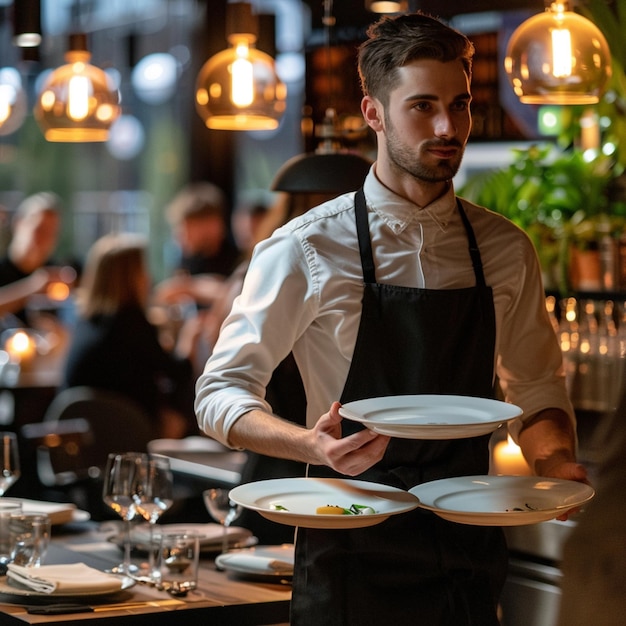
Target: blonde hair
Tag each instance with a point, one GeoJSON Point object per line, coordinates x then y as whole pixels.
{"type": "Point", "coordinates": [114, 276]}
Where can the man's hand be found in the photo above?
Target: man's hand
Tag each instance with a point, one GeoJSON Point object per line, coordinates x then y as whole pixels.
{"type": "Point", "coordinates": [548, 443]}
{"type": "Point", "coordinates": [349, 455]}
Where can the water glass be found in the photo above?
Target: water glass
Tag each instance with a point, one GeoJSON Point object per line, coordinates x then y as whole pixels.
{"type": "Point", "coordinates": [178, 563]}
{"type": "Point", "coordinates": [8, 507]}
{"type": "Point", "coordinates": [30, 537]}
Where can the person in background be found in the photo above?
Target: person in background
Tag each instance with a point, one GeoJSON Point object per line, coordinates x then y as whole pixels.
{"type": "Point", "coordinates": [114, 347]}
{"type": "Point", "coordinates": [198, 219]}
{"type": "Point", "coordinates": [400, 288]}
{"type": "Point", "coordinates": [593, 589]}
{"type": "Point", "coordinates": [24, 269]}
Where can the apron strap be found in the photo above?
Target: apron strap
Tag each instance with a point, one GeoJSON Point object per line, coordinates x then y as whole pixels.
{"type": "Point", "coordinates": [473, 246]}
{"type": "Point", "coordinates": [365, 243]}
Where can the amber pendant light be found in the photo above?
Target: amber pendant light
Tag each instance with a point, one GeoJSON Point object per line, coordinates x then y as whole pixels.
{"type": "Point", "coordinates": [238, 88]}
{"type": "Point", "coordinates": [78, 102]}
{"type": "Point", "coordinates": [558, 57]}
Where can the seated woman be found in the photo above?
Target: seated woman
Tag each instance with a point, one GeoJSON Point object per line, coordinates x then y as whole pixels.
{"type": "Point", "coordinates": [114, 346]}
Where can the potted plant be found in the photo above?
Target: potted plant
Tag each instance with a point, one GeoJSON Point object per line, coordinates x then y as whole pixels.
{"type": "Point", "coordinates": [561, 199]}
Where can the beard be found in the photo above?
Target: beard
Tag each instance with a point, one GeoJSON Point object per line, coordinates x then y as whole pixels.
{"type": "Point", "coordinates": [405, 159]}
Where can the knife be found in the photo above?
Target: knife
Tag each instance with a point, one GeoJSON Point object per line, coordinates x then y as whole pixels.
{"type": "Point", "coordinates": [68, 608]}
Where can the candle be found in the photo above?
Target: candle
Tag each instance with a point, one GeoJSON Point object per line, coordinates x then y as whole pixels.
{"type": "Point", "coordinates": [58, 291]}
{"type": "Point", "coordinates": [21, 347]}
{"type": "Point", "coordinates": [508, 459]}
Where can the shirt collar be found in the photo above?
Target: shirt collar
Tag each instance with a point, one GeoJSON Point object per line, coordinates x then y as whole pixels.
{"type": "Point", "coordinates": [399, 213]}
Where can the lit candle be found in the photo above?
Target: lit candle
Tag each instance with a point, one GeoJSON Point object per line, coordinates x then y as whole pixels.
{"type": "Point", "coordinates": [58, 291]}
{"type": "Point", "coordinates": [21, 347]}
{"type": "Point", "coordinates": [508, 459]}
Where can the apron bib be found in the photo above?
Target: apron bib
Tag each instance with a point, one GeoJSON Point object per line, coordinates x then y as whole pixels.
{"type": "Point", "coordinates": [414, 568]}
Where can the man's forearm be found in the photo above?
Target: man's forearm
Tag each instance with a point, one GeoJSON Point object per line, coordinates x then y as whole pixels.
{"type": "Point", "coordinates": [270, 435]}
{"type": "Point", "coordinates": [548, 440]}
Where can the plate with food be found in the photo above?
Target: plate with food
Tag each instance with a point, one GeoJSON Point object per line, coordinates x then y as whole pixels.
{"type": "Point", "coordinates": [323, 502]}
{"type": "Point", "coordinates": [430, 416]}
{"type": "Point", "coordinates": [501, 500]}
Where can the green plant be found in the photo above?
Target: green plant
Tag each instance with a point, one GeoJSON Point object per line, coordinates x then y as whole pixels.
{"type": "Point", "coordinates": [560, 198]}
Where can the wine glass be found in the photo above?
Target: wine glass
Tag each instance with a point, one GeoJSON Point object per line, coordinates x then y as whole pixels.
{"type": "Point", "coordinates": [124, 478]}
{"type": "Point", "coordinates": [223, 510]}
{"type": "Point", "coordinates": [153, 500]}
{"type": "Point", "coordinates": [9, 461]}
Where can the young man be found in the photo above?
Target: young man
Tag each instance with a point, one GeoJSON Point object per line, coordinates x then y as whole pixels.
{"type": "Point", "coordinates": [398, 289]}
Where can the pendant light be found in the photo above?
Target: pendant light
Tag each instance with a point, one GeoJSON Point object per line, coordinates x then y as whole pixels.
{"type": "Point", "coordinates": [386, 6]}
{"type": "Point", "coordinates": [238, 88]}
{"type": "Point", "coordinates": [78, 102]}
{"type": "Point", "coordinates": [330, 169]}
{"type": "Point", "coordinates": [26, 23]}
{"type": "Point", "coordinates": [13, 107]}
{"type": "Point", "coordinates": [558, 57]}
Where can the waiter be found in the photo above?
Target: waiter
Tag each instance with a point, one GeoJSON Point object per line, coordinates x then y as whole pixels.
{"type": "Point", "coordinates": [399, 288]}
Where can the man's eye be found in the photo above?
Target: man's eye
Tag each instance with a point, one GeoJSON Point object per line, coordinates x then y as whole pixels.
{"type": "Point", "coordinates": [460, 106]}
{"type": "Point", "coordinates": [422, 106]}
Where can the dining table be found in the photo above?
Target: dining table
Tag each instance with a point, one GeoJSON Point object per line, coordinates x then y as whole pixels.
{"type": "Point", "coordinates": [220, 597]}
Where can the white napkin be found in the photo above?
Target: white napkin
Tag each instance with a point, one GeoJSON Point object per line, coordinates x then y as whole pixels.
{"type": "Point", "coordinates": [64, 579]}
{"type": "Point", "coordinates": [257, 563]}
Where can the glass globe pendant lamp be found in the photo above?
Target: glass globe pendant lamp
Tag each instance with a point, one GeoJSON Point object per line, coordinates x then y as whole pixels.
{"type": "Point", "coordinates": [78, 102]}
{"type": "Point", "coordinates": [558, 57]}
{"type": "Point", "coordinates": [238, 88]}
{"type": "Point", "coordinates": [13, 107]}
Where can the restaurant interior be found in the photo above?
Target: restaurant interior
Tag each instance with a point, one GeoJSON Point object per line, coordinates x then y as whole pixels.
{"type": "Point", "coordinates": [546, 153]}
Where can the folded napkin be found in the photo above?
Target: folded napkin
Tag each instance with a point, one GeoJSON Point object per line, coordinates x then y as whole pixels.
{"type": "Point", "coordinates": [261, 564]}
{"type": "Point", "coordinates": [64, 579]}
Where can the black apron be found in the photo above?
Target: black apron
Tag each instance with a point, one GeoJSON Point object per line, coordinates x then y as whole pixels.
{"type": "Point", "coordinates": [414, 568]}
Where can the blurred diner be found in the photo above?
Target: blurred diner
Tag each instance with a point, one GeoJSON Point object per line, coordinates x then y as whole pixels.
{"type": "Point", "coordinates": [25, 268]}
{"type": "Point", "coordinates": [114, 346]}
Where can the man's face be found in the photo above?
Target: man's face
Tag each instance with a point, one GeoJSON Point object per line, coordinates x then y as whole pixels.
{"type": "Point", "coordinates": [36, 235]}
{"type": "Point", "coordinates": [427, 121]}
{"type": "Point", "coordinates": [202, 234]}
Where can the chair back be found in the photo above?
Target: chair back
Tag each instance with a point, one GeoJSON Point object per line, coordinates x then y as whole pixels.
{"type": "Point", "coordinates": [62, 449]}
{"type": "Point", "coordinates": [117, 423]}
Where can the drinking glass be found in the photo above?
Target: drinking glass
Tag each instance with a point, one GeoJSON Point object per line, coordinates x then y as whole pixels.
{"type": "Point", "coordinates": [223, 510]}
{"type": "Point", "coordinates": [8, 508]}
{"type": "Point", "coordinates": [154, 499]}
{"type": "Point", "coordinates": [9, 461]}
{"type": "Point", "coordinates": [124, 481]}
{"type": "Point", "coordinates": [30, 537]}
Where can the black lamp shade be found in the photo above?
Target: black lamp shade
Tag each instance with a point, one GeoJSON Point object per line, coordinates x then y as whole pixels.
{"type": "Point", "coordinates": [322, 173]}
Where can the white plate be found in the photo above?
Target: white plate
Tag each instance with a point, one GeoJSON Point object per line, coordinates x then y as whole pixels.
{"type": "Point", "coordinates": [209, 535]}
{"type": "Point", "coordinates": [501, 500]}
{"type": "Point", "coordinates": [20, 593]}
{"type": "Point", "coordinates": [430, 416]}
{"type": "Point", "coordinates": [274, 561]}
{"type": "Point", "coordinates": [302, 496]}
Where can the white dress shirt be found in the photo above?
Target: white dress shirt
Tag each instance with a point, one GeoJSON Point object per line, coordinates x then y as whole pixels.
{"type": "Point", "coordinates": [303, 291]}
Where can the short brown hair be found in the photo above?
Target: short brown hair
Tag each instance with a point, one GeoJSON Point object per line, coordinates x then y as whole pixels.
{"type": "Point", "coordinates": [196, 200]}
{"type": "Point", "coordinates": [395, 41]}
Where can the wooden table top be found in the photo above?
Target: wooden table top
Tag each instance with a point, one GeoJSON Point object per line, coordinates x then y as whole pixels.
{"type": "Point", "coordinates": [220, 597]}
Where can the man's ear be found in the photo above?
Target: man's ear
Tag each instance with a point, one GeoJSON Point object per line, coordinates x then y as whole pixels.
{"type": "Point", "coordinates": [372, 111]}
